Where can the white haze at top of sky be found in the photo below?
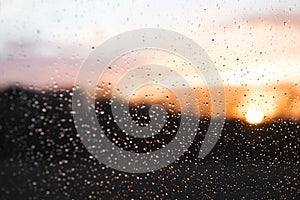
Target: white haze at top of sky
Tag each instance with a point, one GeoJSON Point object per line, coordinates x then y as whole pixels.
{"type": "Point", "coordinates": [65, 22]}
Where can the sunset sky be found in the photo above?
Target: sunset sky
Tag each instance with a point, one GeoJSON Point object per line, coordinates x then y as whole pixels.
{"type": "Point", "coordinates": [255, 46]}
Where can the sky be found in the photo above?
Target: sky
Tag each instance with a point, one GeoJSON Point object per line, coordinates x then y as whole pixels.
{"type": "Point", "coordinates": [252, 43]}
{"type": "Point", "coordinates": [42, 36]}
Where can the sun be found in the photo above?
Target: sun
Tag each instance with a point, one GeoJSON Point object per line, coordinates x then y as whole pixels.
{"type": "Point", "coordinates": [254, 116]}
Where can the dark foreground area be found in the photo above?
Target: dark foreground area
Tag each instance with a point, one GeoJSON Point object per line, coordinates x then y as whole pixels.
{"type": "Point", "coordinates": [42, 157]}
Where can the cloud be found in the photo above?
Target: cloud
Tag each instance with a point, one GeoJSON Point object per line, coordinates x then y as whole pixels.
{"type": "Point", "coordinates": [38, 64]}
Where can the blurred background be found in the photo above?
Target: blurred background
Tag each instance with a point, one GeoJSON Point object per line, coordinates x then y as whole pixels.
{"type": "Point", "coordinates": [255, 45]}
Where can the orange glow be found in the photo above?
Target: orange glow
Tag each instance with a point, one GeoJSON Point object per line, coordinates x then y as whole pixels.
{"type": "Point", "coordinates": [254, 116]}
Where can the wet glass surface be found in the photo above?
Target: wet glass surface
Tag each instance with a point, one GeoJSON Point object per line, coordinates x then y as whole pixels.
{"type": "Point", "coordinates": [254, 47]}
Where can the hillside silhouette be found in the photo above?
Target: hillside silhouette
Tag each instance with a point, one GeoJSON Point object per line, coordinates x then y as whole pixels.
{"type": "Point", "coordinates": [42, 155]}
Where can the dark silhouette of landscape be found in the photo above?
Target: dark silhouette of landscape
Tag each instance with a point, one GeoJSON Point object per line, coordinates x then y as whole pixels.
{"type": "Point", "coordinates": [42, 155]}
